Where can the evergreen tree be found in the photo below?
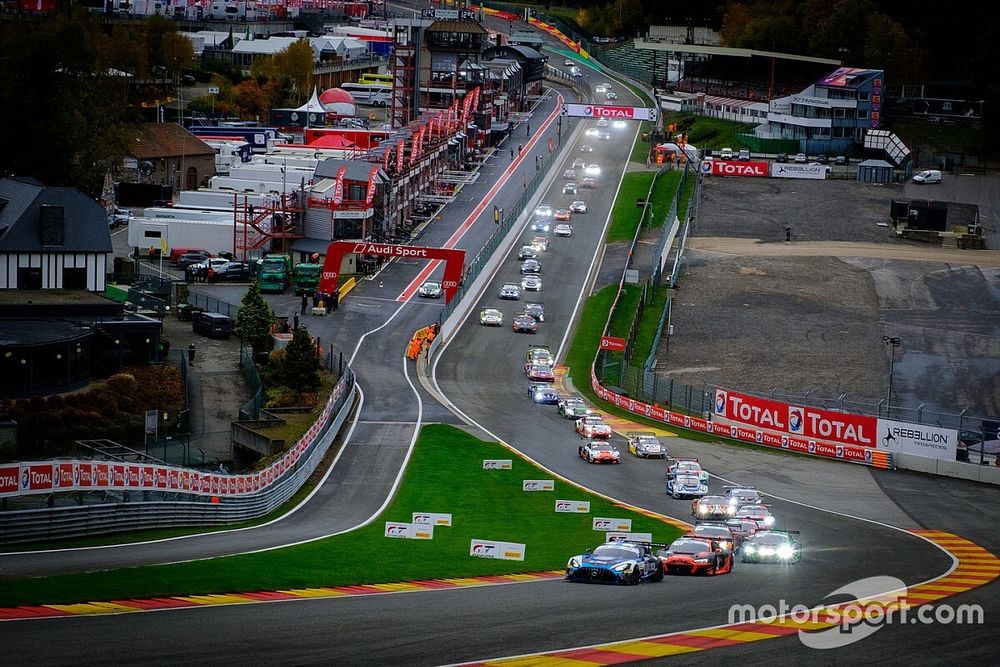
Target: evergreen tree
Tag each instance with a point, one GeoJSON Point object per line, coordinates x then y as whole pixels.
{"type": "Point", "coordinates": [300, 367]}
{"type": "Point", "coordinates": [254, 319]}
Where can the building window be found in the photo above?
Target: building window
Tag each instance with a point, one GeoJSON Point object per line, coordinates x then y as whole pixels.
{"type": "Point", "coordinates": [862, 96]}
{"type": "Point", "coordinates": [839, 113]}
{"type": "Point", "coordinates": [29, 277]}
{"type": "Point", "coordinates": [74, 278]}
{"type": "Point", "coordinates": [862, 113]}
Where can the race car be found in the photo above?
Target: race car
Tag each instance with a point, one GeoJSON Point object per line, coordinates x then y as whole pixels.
{"type": "Point", "coordinates": [540, 225]}
{"type": "Point", "coordinates": [693, 554]}
{"type": "Point", "coordinates": [599, 452]}
{"type": "Point", "coordinates": [540, 243]}
{"type": "Point", "coordinates": [543, 393]}
{"type": "Point", "coordinates": [569, 175]}
{"type": "Point", "coordinates": [578, 164]}
{"type": "Point", "coordinates": [742, 495]}
{"type": "Point", "coordinates": [523, 323]}
{"type": "Point", "coordinates": [562, 214]}
{"type": "Point", "coordinates": [742, 529]}
{"type": "Point", "coordinates": [563, 230]}
{"type": "Point", "coordinates": [578, 206]}
{"type": "Point", "coordinates": [535, 309]}
{"type": "Point", "coordinates": [540, 373]}
{"type": "Point", "coordinates": [712, 507]}
{"type": "Point", "coordinates": [686, 467]}
{"type": "Point", "coordinates": [510, 291]}
{"type": "Point", "coordinates": [531, 283]}
{"type": "Point", "coordinates": [572, 407]}
{"type": "Point", "coordinates": [603, 122]}
{"type": "Point", "coordinates": [531, 266]}
{"type": "Point", "coordinates": [589, 183]}
{"type": "Point", "coordinates": [680, 486]}
{"type": "Point", "coordinates": [758, 513]}
{"type": "Point", "coordinates": [645, 445]}
{"type": "Point", "coordinates": [430, 290]}
{"type": "Point", "coordinates": [491, 317]}
{"type": "Point", "coordinates": [543, 211]}
{"type": "Point", "coordinates": [592, 170]}
{"type": "Point", "coordinates": [717, 530]}
{"type": "Point", "coordinates": [592, 426]}
{"type": "Point", "coordinates": [538, 354]}
{"type": "Point", "coordinates": [569, 188]}
{"type": "Point", "coordinates": [586, 148]}
{"type": "Point", "coordinates": [527, 252]}
{"type": "Point", "coordinates": [590, 132]}
{"type": "Point", "coordinates": [772, 546]}
{"type": "Point", "coordinates": [615, 563]}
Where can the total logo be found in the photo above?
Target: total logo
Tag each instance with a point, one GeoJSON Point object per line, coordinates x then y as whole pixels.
{"type": "Point", "coordinates": [796, 419]}
{"type": "Point", "coordinates": [25, 479]}
{"type": "Point", "coordinates": [720, 402]}
{"type": "Point", "coordinates": [598, 111]}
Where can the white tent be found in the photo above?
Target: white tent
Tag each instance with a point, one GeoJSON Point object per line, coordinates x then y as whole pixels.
{"type": "Point", "coordinates": [689, 150]}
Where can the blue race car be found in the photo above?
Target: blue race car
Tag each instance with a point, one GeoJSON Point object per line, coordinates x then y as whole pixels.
{"type": "Point", "coordinates": [616, 563]}
{"type": "Point", "coordinates": [690, 486]}
{"type": "Point", "coordinates": [543, 393]}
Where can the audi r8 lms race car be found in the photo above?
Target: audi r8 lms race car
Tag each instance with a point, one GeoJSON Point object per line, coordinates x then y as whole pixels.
{"type": "Point", "coordinates": [531, 283]}
{"type": "Point", "coordinates": [572, 407]}
{"type": "Point", "coordinates": [430, 290]}
{"type": "Point", "coordinates": [717, 530]}
{"type": "Point", "coordinates": [578, 206]}
{"type": "Point", "coordinates": [535, 309]}
{"type": "Point", "coordinates": [527, 252]}
{"type": "Point", "coordinates": [599, 452]}
{"type": "Point", "coordinates": [540, 372]}
{"type": "Point", "coordinates": [742, 495]}
{"type": "Point", "coordinates": [645, 445]}
{"type": "Point", "coordinates": [538, 354]}
{"type": "Point", "coordinates": [592, 426]}
{"type": "Point", "coordinates": [543, 393]}
{"type": "Point", "coordinates": [758, 513]}
{"type": "Point", "coordinates": [687, 467]}
{"type": "Point", "coordinates": [615, 563]}
{"type": "Point", "coordinates": [712, 507]}
{"type": "Point", "coordinates": [491, 317]}
{"type": "Point", "coordinates": [523, 323]}
{"type": "Point", "coordinates": [772, 546]}
{"type": "Point", "coordinates": [692, 554]}
{"type": "Point", "coordinates": [510, 291]}
{"type": "Point", "coordinates": [680, 486]}
{"type": "Point", "coordinates": [563, 230]}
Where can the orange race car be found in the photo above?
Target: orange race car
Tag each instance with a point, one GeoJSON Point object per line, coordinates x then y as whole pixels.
{"type": "Point", "coordinates": [694, 554]}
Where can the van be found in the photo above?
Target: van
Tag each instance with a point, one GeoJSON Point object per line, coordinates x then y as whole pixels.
{"type": "Point", "coordinates": [213, 325]}
{"type": "Point", "coordinates": [726, 154]}
{"type": "Point", "coordinates": [928, 176]}
{"type": "Point", "coordinates": [744, 155]}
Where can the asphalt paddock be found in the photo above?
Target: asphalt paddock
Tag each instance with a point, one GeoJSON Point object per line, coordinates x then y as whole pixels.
{"type": "Point", "coordinates": [797, 324]}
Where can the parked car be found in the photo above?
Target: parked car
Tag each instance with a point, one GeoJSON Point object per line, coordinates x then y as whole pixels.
{"type": "Point", "coordinates": [781, 157]}
{"type": "Point", "coordinates": [238, 271]}
{"type": "Point", "coordinates": [194, 257]}
{"type": "Point", "coordinates": [119, 216]}
{"type": "Point", "coordinates": [800, 158]}
{"type": "Point", "coordinates": [822, 159]}
{"type": "Point", "coordinates": [726, 154]}
{"type": "Point", "coordinates": [928, 176]}
{"type": "Point", "coordinates": [744, 155]}
{"type": "Point", "coordinates": [842, 160]}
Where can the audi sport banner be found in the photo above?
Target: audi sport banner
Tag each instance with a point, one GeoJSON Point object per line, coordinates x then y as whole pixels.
{"type": "Point", "coordinates": [917, 439]}
{"type": "Point", "coordinates": [612, 112]}
{"type": "Point", "coordinates": [726, 168]}
{"type": "Point", "coordinates": [806, 422]}
{"type": "Point", "coordinates": [790, 170]}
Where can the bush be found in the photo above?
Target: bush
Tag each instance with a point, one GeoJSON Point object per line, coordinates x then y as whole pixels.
{"type": "Point", "coordinates": [281, 397]}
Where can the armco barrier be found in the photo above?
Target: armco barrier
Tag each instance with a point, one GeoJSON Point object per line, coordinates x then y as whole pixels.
{"type": "Point", "coordinates": [202, 498]}
{"type": "Point", "coordinates": [848, 453]}
{"type": "Point", "coordinates": [988, 474]}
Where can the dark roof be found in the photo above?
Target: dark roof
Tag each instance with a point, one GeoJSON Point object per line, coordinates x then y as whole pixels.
{"type": "Point", "coordinates": [156, 140]}
{"type": "Point", "coordinates": [471, 27]}
{"type": "Point", "coordinates": [357, 170]}
{"type": "Point", "coordinates": [514, 50]}
{"type": "Point", "coordinates": [85, 221]}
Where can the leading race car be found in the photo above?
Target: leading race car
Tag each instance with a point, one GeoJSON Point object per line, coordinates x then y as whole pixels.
{"type": "Point", "coordinates": [543, 393]}
{"type": "Point", "coordinates": [599, 452]}
{"type": "Point", "coordinates": [645, 445]}
{"type": "Point", "coordinates": [540, 373]}
{"type": "Point", "coordinates": [694, 554]}
{"type": "Point", "coordinates": [758, 513]}
{"type": "Point", "coordinates": [615, 563]}
{"type": "Point", "coordinates": [686, 467]}
{"type": "Point", "coordinates": [572, 407]}
{"type": "Point", "coordinates": [712, 507]}
{"type": "Point", "coordinates": [772, 546]}
{"type": "Point", "coordinates": [430, 290]}
{"type": "Point", "coordinates": [685, 486]}
{"type": "Point", "coordinates": [592, 426]}
{"type": "Point", "coordinates": [491, 317]}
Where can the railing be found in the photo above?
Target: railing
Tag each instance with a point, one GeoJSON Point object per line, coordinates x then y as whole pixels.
{"type": "Point", "coordinates": [251, 409]}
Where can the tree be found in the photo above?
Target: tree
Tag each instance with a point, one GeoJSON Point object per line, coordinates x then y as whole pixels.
{"type": "Point", "coordinates": [254, 319]}
{"type": "Point", "coordinates": [300, 368]}
{"type": "Point", "coordinates": [178, 53]}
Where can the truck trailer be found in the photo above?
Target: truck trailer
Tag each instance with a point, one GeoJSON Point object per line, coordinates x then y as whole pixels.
{"type": "Point", "coordinates": [157, 233]}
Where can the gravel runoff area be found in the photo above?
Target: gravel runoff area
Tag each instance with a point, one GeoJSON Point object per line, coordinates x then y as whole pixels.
{"type": "Point", "coordinates": [815, 324]}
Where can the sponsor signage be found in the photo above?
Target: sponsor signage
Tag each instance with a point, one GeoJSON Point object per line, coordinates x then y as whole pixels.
{"type": "Point", "coordinates": [917, 439]}
{"type": "Point", "coordinates": [625, 536]}
{"type": "Point", "coordinates": [9, 480]}
{"type": "Point", "coordinates": [726, 168]}
{"type": "Point", "coordinates": [36, 477]}
{"type": "Point", "coordinates": [612, 344]}
{"type": "Point", "coordinates": [789, 170]}
{"type": "Point", "coordinates": [497, 464]}
{"type": "Point", "coordinates": [390, 250]}
{"type": "Point", "coordinates": [573, 506]}
{"type": "Point", "coordinates": [538, 485]}
{"type": "Point", "coordinates": [398, 530]}
{"type": "Point", "coordinates": [432, 518]}
{"type": "Point", "coordinates": [496, 550]}
{"type": "Point", "coordinates": [608, 111]}
{"type": "Point", "coordinates": [612, 525]}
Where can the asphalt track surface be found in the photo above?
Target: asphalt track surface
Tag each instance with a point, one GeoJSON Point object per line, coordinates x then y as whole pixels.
{"type": "Point", "coordinates": [474, 624]}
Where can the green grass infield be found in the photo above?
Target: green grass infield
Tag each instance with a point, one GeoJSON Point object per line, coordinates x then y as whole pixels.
{"type": "Point", "coordinates": [445, 475]}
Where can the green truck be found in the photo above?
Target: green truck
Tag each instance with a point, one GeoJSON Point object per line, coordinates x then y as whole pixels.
{"type": "Point", "coordinates": [274, 272]}
{"type": "Point", "coordinates": [305, 279]}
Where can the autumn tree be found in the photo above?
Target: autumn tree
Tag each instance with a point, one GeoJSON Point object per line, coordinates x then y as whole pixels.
{"type": "Point", "coordinates": [291, 69]}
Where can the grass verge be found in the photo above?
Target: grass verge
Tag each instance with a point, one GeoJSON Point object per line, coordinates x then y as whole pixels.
{"type": "Point", "coordinates": [625, 214]}
{"type": "Point", "coordinates": [713, 133]}
{"type": "Point", "coordinates": [445, 475]}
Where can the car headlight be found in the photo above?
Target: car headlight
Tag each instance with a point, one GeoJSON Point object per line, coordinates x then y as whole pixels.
{"type": "Point", "coordinates": [769, 521]}
{"type": "Point", "coordinates": [750, 549]}
{"type": "Point", "coordinates": [622, 567]}
{"type": "Point", "coordinates": [573, 562]}
{"type": "Point", "coordinates": [731, 510]}
{"type": "Point", "coordinates": [725, 544]}
{"type": "Point", "coordinates": [702, 509]}
{"type": "Point", "coordinates": [785, 552]}
{"type": "Point", "coordinates": [701, 560]}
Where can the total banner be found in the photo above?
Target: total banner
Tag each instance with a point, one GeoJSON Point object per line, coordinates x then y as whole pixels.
{"type": "Point", "coordinates": [726, 168]}
{"type": "Point", "coordinates": [917, 439]}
